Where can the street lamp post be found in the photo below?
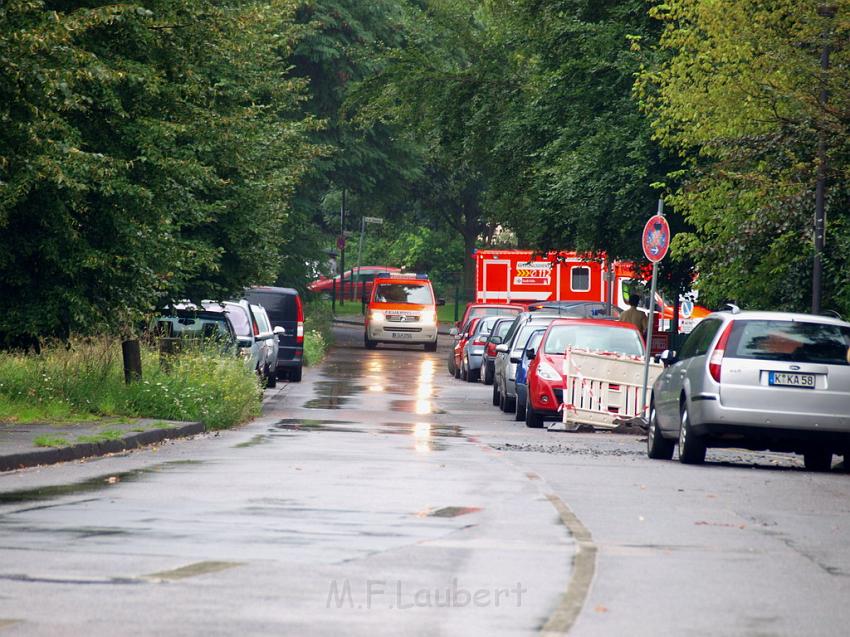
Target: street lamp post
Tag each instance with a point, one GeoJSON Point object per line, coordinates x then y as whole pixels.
{"type": "Point", "coordinates": [825, 11]}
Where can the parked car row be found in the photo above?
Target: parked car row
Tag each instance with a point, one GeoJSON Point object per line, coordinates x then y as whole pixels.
{"type": "Point", "coordinates": [265, 328]}
{"type": "Point", "coordinates": [755, 380]}
{"type": "Point", "coordinates": [520, 352]}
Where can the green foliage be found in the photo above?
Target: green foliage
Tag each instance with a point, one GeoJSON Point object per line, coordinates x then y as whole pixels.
{"type": "Point", "coordinates": [85, 381]}
{"type": "Point", "coordinates": [374, 164]}
{"type": "Point", "coordinates": [736, 93]}
{"type": "Point", "coordinates": [50, 441]}
{"type": "Point", "coordinates": [318, 329]}
{"type": "Point", "coordinates": [147, 151]}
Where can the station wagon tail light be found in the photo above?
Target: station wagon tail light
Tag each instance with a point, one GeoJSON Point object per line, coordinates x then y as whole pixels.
{"type": "Point", "coordinates": [299, 330]}
{"type": "Point", "coordinates": [256, 327]}
{"type": "Point", "coordinates": [716, 359]}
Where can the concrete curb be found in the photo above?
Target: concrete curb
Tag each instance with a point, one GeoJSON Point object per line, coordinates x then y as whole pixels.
{"type": "Point", "coordinates": [85, 450]}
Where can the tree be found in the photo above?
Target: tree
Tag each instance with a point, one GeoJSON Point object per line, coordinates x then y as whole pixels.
{"type": "Point", "coordinates": [737, 94]}
{"type": "Point", "coordinates": [148, 152]}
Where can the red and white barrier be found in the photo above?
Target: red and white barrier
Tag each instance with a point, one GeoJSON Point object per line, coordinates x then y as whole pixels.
{"type": "Point", "coordinates": [603, 389]}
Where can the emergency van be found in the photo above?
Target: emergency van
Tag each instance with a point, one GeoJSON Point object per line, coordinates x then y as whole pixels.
{"type": "Point", "coordinates": [523, 276]}
{"type": "Point", "coordinates": [402, 309]}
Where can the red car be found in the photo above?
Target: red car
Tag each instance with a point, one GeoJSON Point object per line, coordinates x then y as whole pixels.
{"type": "Point", "coordinates": [354, 283]}
{"type": "Point", "coordinates": [479, 310]}
{"type": "Point", "coordinates": [545, 377]}
{"type": "Point", "coordinates": [460, 344]}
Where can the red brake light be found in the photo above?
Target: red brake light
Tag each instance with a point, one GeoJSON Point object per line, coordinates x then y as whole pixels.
{"type": "Point", "coordinates": [299, 334]}
{"type": "Point", "coordinates": [256, 327]}
{"type": "Point", "coordinates": [716, 359]}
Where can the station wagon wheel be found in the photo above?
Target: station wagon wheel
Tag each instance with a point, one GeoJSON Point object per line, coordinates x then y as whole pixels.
{"type": "Point", "coordinates": [657, 446]}
{"type": "Point", "coordinates": [819, 459]}
{"type": "Point", "coordinates": [495, 394]}
{"type": "Point", "coordinates": [691, 447]}
{"type": "Point", "coordinates": [271, 378]}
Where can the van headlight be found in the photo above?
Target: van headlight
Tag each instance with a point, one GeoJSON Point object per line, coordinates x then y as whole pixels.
{"type": "Point", "coordinates": [428, 317]}
{"type": "Point", "coordinates": [377, 316]}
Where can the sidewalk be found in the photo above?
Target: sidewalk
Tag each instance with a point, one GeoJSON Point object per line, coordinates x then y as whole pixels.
{"type": "Point", "coordinates": [38, 444]}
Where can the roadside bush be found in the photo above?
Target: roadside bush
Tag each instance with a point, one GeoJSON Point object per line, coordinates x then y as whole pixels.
{"type": "Point", "coordinates": [214, 389]}
{"type": "Point", "coordinates": [85, 380]}
{"type": "Point", "coordinates": [318, 331]}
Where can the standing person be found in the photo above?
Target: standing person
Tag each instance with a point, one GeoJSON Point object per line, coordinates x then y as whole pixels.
{"type": "Point", "coordinates": [633, 315]}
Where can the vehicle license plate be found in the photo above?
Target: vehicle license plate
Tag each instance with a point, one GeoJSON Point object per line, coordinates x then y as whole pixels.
{"type": "Point", "coordinates": [402, 336]}
{"type": "Point", "coordinates": [792, 379]}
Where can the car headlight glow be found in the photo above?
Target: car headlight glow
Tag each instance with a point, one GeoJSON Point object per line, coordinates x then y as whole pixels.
{"type": "Point", "coordinates": [377, 316]}
{"type": "Point", "coordinates": [547, 372]}
{"type": "Point", "coordinates": [428, 317]}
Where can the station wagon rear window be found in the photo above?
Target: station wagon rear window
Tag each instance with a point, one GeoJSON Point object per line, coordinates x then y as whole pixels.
{"type": "Point", "coordinates": [790, 341]}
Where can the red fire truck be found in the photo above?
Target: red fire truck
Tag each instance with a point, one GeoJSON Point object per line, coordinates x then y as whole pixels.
{"type": "Point", "coordinates": [523, 276]}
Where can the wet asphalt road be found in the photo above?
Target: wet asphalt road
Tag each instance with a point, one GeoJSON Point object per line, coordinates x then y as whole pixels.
{"type": "Point", "coordinates": [382, 497]}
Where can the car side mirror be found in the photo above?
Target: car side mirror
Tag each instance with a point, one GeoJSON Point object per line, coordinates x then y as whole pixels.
{"type": "Point", "coordinates": [441, 301]}
{"type": "Point", "coordinates": [531, 353]}
{"type": "Point", "coordinates": [279, 330]}
{"type": "Point", "coordinates": [503, 348]}
{"type": "Point", "coordinates": [453, 332]}
{"type": "Point", "coordinates": [495, 339]}
{"type": "Point", "coordinates": [667, 358]}
{"type": "Point", "coordinates": [244, 342]}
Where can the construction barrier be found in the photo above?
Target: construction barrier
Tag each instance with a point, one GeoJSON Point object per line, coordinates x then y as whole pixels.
{"type": "Point", "coordinates": [604, 389]}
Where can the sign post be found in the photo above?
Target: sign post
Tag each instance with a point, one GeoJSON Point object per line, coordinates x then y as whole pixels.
{"type": "Point", "coordinates": [656, 243]}
{"type": "Point", "coordinates": [363, 222]}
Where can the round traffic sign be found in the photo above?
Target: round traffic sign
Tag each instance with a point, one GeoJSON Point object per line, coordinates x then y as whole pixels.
{"type": "Point", "coordinates": [656, 238]}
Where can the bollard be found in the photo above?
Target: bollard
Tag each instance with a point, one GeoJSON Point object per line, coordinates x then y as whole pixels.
{"type": "Point", "coordinates": [132, 360]}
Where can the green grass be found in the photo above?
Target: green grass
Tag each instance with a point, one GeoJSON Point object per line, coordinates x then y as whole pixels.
{"type": "Point", "coordinates": [50, 441]}
{"type": "Point", "coordinates": [102, 436]}
{"type": "Point", "coordinates": [85, 382]}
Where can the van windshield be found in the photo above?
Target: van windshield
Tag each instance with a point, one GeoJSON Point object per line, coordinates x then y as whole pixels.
{"type": "Point", "coordinates": [791, 341]}
{"type": "Point", "coordinates": [413, 294]}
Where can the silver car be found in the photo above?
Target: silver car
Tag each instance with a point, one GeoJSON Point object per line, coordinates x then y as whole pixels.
{"type": "Point", "coordinates": [756, 380]}
{"type": "Point", "coordinates": [256, 339]}
{"type": "Point", "coordinates": [508, 354]}
{"type": "Point", "coordinates": [473, 352]}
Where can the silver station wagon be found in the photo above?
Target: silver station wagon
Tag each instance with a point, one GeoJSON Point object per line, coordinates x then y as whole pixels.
{"type": "Point", "coordinates": [756, 380]}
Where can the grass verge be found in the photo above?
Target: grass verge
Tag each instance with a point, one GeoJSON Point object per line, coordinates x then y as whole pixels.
{"type": "Point", "coordinates": [84, 381]}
